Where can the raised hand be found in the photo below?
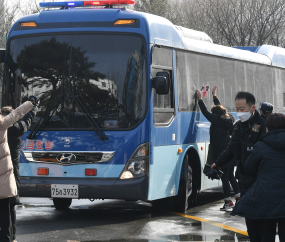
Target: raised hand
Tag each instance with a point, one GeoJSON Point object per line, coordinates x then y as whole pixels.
{"type": "Point", "coordinates": [214, 90]}
{"type": "Point", "coordinates": [199, 94]}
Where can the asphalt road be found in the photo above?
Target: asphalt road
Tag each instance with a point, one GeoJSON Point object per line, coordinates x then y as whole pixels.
{"type": "Point", "coordinates": [116, 220]}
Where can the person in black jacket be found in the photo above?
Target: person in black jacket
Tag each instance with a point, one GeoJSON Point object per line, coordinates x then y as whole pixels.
{"type": "Point", "coordinates": [265, 200]}
{"type": "Point", "coordinates": [246, 133]}
{"type": "Point", "coordinates": [221, 127]}
{"type": "Point", "coordinates": [15, 132]}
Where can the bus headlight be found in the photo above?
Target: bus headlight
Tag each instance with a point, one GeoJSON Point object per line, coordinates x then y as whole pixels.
{"type": "Point", "coordinates": [138, 164]}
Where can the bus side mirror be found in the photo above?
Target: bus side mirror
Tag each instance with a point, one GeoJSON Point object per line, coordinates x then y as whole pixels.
{"type": "Point", "coordinates": [161, 83]}
{"type": "Point", "coordinates": [2, 55]}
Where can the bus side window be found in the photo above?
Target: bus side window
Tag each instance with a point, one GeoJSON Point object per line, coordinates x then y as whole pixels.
{"type": "Point", "coordinates": [163, 105]}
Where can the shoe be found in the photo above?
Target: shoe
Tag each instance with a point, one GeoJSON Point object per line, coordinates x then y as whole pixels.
{"type": "Point", "coordinates": [237, 199]}
{"type": "Point", "coordinates": [14, 241]}
{"type": "Point", "coordinates": [227, 206]}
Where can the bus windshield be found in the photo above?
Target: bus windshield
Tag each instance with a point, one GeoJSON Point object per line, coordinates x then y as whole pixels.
{"type": "Point", "coordinates": [106, 71]}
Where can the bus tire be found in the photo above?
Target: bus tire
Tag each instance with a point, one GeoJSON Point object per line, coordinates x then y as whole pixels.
{"type": "Point", "coordinates": [180, 202]}
{"type": "Point", "coordinates": [62, 203]}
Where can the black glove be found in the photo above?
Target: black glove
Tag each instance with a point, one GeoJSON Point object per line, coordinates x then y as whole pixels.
{"type": "Point", "coordinates": [215, 174]}
{"type": "Point", "coordinates": [35, 101]}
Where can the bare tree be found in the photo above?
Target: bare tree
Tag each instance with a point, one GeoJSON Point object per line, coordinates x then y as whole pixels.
{"type": "Point", "coordinates": [157, 7]}
{"type": "Point", "coordinates": [33, 6]}
{"type": "Point", "coordinates": [8, 15]}
{"type": "Point", "coordinates": [237, 22]}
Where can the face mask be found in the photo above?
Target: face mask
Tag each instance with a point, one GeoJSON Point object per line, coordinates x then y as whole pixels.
{"type": "Point", "coordinates": [244, 116]}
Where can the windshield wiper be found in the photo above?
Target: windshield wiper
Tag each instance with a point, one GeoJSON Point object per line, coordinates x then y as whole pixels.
{"type": "Point", "coordinates": [46, 116]}
{"type": "Point", "coordinates": [90, 119]}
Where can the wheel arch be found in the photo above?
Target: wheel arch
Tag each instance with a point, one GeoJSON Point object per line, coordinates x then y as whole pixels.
{"type": "Point", "coordinates": [195, 162]}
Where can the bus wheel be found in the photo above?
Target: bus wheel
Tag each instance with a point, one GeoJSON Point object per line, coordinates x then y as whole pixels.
{"type": "Point", "coordinates": [180, 202]}
{"type": "Point", "coordinates": [62, 203]}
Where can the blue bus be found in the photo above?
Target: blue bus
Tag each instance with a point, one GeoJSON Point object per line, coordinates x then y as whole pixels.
{"type": "Point", "coordinates": [118, 116]}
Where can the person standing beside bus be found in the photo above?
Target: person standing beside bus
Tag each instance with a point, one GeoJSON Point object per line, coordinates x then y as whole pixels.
{"type": "Point", "coordinates": [15, 132]}
{"type": "Point", "coordinates": [8, 187]}
{"type": "Point", "coordinates": [222, 124]}
{"type": "Point", "coordinates": [264, 201]}
{"type": "Point", "coordinates": [265, 110]}
{"type": "Point", "coordinates": [246, 133]}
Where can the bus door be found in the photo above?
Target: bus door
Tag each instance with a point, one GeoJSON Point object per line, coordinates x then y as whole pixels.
{"type": "Point", "coordinates": [164, 157]}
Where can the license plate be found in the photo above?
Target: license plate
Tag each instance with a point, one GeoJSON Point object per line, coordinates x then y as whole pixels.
{"type": "Point", "coordinates": [62, 190]}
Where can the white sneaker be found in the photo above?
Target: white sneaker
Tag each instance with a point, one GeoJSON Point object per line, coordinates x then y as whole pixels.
{"type": "Point", "coordinates": [227, 206]}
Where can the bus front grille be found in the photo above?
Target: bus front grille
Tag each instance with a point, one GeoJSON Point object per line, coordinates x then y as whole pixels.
{"type": "Point", "coordinates": [68, 158]}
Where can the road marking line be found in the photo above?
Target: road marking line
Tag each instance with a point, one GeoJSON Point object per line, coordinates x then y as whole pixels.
{"type": "Point", "coordinates": [214, 223]}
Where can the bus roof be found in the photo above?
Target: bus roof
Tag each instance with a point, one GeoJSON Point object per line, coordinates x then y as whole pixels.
{"type": "Point", "coordinates": [155, 29]}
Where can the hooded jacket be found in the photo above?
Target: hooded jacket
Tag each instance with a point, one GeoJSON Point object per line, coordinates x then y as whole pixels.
{"type": "Point", "coordinates": [265, 199]}
{"type": "Point", "coordinates": [8, 186]}
{"type": "Point", "coordinates": [220, 130]}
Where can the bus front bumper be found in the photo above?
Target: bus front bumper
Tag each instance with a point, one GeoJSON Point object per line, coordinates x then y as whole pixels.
{"type": "Point", "coordinates": [128, 189]}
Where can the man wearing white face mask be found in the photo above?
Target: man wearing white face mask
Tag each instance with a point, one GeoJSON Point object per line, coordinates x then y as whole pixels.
{"type": "Point", "coordinates": [246, 133]}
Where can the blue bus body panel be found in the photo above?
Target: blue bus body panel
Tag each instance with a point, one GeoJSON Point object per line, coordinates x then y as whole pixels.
{"type": "Point", "coordinates": [123, 143]}
{"type": "Point", "coordinates": [155, 29]}
{"type": "Point", "coordinates": [163, 177]}
{"type": "Point", "coordinates": [75, 171]}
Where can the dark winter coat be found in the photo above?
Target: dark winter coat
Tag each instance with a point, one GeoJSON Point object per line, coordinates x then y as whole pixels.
{"type": "Point", "coordinates": [15, 133]}
{"type": "Point", "coordinates": [221, 128]}
{"type": "Point", "coordinates": [244, 137]}
{"type": "Point", "coordinates": [266, 197]}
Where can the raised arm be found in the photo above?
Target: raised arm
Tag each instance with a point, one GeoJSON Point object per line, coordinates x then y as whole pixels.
{"type": "Point", "coordinates": [215, 98]}
{"type": "Point", "coordinates": [14, 116]}
{"type": "Point", "coordinates": [25, 123]}
{"type": "Point", "coordinates": [211, 117]}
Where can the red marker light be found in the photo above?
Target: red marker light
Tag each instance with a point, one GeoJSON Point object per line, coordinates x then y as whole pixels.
{"type": "Point", "coordinates": [43, 171]}
{"type": "Point", "coordinates": [90, 172]}
{"type": "Point", "coordinates": [109, 2]}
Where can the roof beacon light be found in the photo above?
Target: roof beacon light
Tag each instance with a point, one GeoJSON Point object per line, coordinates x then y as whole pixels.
{"type": "Point", "coordinates": [109, 2]}
{"type": "Point", "coordinates": [86, 3]}
{"type": "Point", "coordinates": [62, 4]}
